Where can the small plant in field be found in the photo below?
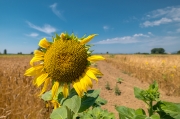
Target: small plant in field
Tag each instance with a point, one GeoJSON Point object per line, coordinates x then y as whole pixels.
{"type": "Point", "coordinates": [116, 90]}
{"type": "Point", "coordinates": [107, 86]}
{"type": "Point", "coordinates": [97, 113]}
{"type": "Point", "coordinates": [119, 80]}
{"type": "Point", "coordinates": [157, 109]}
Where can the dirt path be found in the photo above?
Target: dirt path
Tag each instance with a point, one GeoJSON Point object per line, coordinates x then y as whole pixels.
{"type": "Point", "coordinates": [126, 87]}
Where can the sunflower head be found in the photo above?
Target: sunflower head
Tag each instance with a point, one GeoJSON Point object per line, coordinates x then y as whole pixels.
{"type": "Point", "coordinates": [65, 61]}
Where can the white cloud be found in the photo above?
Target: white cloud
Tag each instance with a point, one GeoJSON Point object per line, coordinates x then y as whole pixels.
{"type": "Point", "coordinates": [178, 30]}
{"type": "Point", "coordinates": [161, 41]}
{"type": "Point", "coordinates": [48, 29]}
{"type": "Point", "coordinates": [32, 35]}
{"type": "Point", "coordinates": [150, 33]}
{"type": "Point", "coordinates": [56, 12]}
{"type": "Point", "coordinates": [138, 35]}
{"type": "Point", "coordinates": [105, 27]}
{"type": "Point", "coordinates": [162, 16]}
{"type": "Point", "coordinates": [123, 40]}
{"type": "Point", "coordinates": [157, 22]}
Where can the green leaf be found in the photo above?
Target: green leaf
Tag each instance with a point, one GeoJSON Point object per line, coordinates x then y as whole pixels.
{"type": "Point", "coordinates": [141, 117]}
{"type": "Point", "coordinates": [97, 113]}
{"type": "Point", "coordinates": [59, 113]}
{"type": "Point", "coordinates": [145, 117]}
{"type": "Point", "coordinates": [172, 109]}
{"type": "Point", "coordinates": [155, 116]}
{"type": "Point", "coordinates": [61, 98]}
{"type": "Point", "coordinates": [140, 112]}
{"type": "Point", "coordinates": [88, 99]}
{"type": "Point", "coordinates": [72, 93]}
{"type": "Point", "coordinates": [161, 113]}
{"type": "Point", "coordinates": [99, 101]}
{"type": "Point", "coordinates": [73, 103]}
{"type": "Point", "coordinates": [125, 112]}
{"type": "Point", "coordinates": [128, 113]}
{"type": "Point", "coordinates": [154, 86]}
{"type": "Point", "coordinates": [48, 95]}
{"type": "Point", "coordinates": [137, 93]}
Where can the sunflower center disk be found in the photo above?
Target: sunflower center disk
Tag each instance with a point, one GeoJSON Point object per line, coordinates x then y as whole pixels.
{"type": "Point", "coordinates": [65, 60]}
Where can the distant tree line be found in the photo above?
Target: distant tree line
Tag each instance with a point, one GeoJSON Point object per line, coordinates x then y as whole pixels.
{"type": "Point", "coordinates": [158, 51]}
{"type": "Point", "coordinates": [144, 53]}
{"type": "Point", "coordinates": [19, 53]}
{"type": "Point", "coordinates": [178, 52]}
{"type": "Point", "coordinates": [5, 52]}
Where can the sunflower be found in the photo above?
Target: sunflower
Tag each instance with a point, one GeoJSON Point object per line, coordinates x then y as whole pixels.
{"type": "Point", "coordinates": [64, 61]}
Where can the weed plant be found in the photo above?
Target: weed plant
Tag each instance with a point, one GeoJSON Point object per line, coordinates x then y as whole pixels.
{"type": "Point", "coordinates": [107, 86]}
{"type": "Point", "coordinates": [116, 90]}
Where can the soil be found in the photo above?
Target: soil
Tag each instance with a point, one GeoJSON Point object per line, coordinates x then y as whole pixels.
{"type": "Point", "coordinates": [126, 98]}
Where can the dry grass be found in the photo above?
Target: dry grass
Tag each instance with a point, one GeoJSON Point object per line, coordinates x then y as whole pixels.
{"type": "Point", "coordinates": [163, 68]}
{"type": "Point", "coordinates": [18, 98]}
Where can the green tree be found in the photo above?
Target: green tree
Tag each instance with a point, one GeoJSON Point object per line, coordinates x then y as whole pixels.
{"type": "Point", "coordinates": [157, 51]}
{"type": "Point", "coordinates": [19, 53]}
{"type": "Point", "coordinates": [178, 52]}
{"type": "Point", "coordinates": [5, 51]}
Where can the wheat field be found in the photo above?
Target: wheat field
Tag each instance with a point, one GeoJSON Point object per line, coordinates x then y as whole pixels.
{"type": "Point", "coordinates": [165, 69]}
{"type": "Point", "coordinates": [18, 97]}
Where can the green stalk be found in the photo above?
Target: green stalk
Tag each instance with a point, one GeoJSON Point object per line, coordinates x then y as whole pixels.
{"type": "Point", "coordinates": [150, 110]}
{"type": "Point", "coordinates": [69, 113]}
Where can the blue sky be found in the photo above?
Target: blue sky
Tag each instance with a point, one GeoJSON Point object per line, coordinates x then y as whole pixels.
{"type": "Point", "coordinates": [124, 26]}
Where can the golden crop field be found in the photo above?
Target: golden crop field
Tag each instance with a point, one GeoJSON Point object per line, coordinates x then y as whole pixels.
{"type": "Point", "coordinates": [165, 69]}
{"type": "Point", "coordinates": [18, 97]}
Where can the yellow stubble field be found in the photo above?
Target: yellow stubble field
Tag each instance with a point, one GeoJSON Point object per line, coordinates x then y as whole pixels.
{"type": "Point", "coordinates": [165, 69]}
{"type": "Point", "coordinates": [18, 97]}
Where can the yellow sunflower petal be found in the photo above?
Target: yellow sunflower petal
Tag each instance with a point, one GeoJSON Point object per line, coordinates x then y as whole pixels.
{"type": "Point", "coordinates": [78, 83]}
{"type": "Point", "coordinates": [91, 75]}
{"type": "Point", "coordinates": [83, 84]}
{"type": "Point", "coordinates": [39, 67]}
{"type": "Point", "coordinates": [36, 76]}
{"type": "Point", "coordinates": [44, 43]}
{"type": "Point", "coordinates": [38, 53]}
{"type": "Point", "coordinates": [77, 88]}
{"type": "Point", "coordinates": [41, 79]}
{"type": "Point", "coordinates": [95, 71]}
{"type": "Point", "coordinates": [30, 72]}
{"type": "Point", "coordinates": [55, 104]}
{"type": "Point", "coordinates": [95, 58]}
{"type": "Point", "coordinates": [87, 39]}
{"type": "Point", "coordinates": [88, 81]}
{"type": "Point", "coordinates": [33, 70]}
{"type": "Point", "coordinates": [35, 59]}
{"type": "Point", "coordinates": [47, 81]}
{"type": "Point", "coordinates": [62, 35]}
{"type": "Point", "coordinates": [65, 90]}
{"type": "Point", "coordinates": [55, 89]}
